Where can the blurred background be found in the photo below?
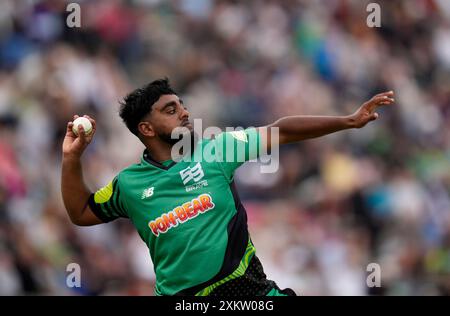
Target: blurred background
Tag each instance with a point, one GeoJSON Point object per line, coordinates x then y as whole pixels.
{"type": "Point", "coordinates": [374, 195]}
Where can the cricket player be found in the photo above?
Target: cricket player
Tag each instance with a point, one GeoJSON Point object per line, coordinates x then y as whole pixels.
{"type": "Point", "coordinates": [188, 210]}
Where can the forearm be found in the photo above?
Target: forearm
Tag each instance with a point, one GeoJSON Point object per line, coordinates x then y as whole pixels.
{"type": "Point", "coordinates": [74, 192]}
{"type": "Point", "coordinates": [297, 128]}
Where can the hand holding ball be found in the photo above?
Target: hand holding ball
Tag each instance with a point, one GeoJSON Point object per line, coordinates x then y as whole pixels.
{"type": "Point", "coordinates": [87, 126]}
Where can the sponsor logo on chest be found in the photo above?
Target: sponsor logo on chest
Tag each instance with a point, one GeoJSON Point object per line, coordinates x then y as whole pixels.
{"type": "Point", "coordinates": [181, 214]}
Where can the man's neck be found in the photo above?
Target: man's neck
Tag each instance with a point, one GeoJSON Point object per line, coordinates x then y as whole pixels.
{"type": "Point", "coordinates": [160, 152]}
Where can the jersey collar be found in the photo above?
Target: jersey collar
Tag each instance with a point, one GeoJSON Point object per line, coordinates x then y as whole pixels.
{"type": "Point", "coordinates": [148, 158]}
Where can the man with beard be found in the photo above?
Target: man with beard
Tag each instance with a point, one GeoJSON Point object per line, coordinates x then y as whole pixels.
{"type": "Point", "coordinates": [188, 211]}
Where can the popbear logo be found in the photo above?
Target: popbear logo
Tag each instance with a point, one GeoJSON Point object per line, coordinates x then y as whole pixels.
{"type": "Point", "coordinates": [181, 214]}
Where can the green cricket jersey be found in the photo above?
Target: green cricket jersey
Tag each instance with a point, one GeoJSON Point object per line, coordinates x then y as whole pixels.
{"type": "Point", "coordinates": [189, 215]}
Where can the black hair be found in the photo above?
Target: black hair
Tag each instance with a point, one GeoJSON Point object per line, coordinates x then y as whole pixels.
{"type": "Point", "coordinates": [139, 103]}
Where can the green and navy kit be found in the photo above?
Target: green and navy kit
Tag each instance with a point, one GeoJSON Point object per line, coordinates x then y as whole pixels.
{"type": "Point", "coordinates": [190, 216]}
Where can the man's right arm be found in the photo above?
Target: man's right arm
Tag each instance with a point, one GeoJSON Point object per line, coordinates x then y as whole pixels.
{"type": "Point", "coordinates": [74, 191]}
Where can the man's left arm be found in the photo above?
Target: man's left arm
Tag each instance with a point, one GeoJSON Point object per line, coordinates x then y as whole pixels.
{"type": "Point", "coordinates": [297, 128]}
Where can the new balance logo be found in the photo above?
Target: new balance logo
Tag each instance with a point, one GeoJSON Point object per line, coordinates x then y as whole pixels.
{"type": "Point", "coordinates": [195, 173]}
{"type": "Point", "coordinates": [147, 193]}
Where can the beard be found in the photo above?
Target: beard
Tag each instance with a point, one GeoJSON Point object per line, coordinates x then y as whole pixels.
{"type": "Point", "coordinates": [188, 135]}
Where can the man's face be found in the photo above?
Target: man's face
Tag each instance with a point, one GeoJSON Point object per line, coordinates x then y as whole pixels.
{"type": "Point", "coordinates": [167, 114]}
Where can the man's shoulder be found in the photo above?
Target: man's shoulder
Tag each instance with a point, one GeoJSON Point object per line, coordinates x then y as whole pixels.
{"type": "Point", "coordinates": [130, 170]}
{"type": "Point", "coordinates": [242, 135]}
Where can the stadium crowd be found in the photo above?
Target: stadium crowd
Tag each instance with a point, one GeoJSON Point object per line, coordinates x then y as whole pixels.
{"type": "Point", "coordinates": [380, 194]}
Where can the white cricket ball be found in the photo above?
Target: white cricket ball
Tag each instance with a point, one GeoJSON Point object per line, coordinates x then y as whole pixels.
{"type": "Point", "coordinates": [86, 125]}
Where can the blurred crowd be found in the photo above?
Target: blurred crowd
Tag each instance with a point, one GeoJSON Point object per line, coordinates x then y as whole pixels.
{"type": "Point", "coordinates": [379, 195]}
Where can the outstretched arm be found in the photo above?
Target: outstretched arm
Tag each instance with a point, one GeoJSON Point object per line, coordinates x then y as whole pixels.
{"type": "Point", "coordinates": [74, 192]}
{"type": "Point", "coordinates": [297, 128]}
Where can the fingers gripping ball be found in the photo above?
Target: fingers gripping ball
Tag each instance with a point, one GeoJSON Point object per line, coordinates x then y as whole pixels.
{"type": "Point", "coordinates": [85, 123]}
